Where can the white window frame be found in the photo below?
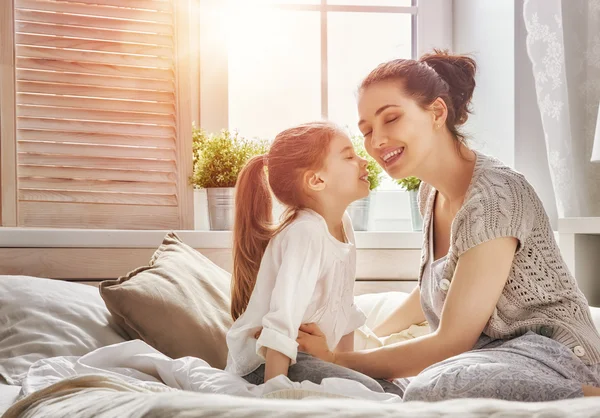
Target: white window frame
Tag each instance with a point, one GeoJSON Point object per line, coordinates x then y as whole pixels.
{"type": "Point", "coordinates": [432, 27]}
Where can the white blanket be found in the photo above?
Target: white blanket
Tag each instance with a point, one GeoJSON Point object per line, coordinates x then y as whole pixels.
{"type": "Point", "coordinates": [139, 365]}
{"type": "Point", "coordinates": [134, 380]}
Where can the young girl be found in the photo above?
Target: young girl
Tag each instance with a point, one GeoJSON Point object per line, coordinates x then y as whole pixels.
{"type": "Point", "coordinates": [302, 270]}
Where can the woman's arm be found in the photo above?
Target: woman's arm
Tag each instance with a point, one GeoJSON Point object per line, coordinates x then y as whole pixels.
{"type": "Point", "coordinates": [408, 313]}
{"type": "Point", "coordinates": [478, 281]}
{"type": "Point", "coordinates": [346, 343]}
{"type": "Point", "coordinates": [275, 364]}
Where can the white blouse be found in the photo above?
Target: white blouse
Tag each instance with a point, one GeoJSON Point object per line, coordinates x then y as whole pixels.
{"type": "Point", "coordinates": [306, 275]}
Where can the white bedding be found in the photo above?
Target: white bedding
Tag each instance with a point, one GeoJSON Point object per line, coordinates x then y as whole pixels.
{"type": "Point", "coordinates": [132, 379]}
{"type": "Point", "coordinates": [8, 396]}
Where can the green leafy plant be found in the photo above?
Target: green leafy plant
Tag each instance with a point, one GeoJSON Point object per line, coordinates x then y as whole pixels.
{"type": "Point", "coordinates": [409, 183]}
{"type": "Point", "coordinates": [219, 158]}
{"type": "Point", "coordinates": [375, 170]}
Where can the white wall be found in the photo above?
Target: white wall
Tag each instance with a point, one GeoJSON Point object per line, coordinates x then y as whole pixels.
{"type": "Point", "coordinates": [485, 29]}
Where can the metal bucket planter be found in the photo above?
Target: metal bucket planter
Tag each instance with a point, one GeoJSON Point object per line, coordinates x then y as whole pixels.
{"type": "Point", "coordinates": [359, 213]}
{"type": "Point", "coordinates": [415, 214]}
{"type": "Point", "coordinates": [221, 208]}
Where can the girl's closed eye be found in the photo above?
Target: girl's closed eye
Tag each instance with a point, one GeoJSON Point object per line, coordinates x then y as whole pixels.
{"type": "Point", "coordinates": [392, 119]}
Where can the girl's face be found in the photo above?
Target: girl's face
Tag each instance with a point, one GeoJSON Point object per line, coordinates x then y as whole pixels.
{"type": "Point", "coordinates": [398, 132]}
{"type": "Point", "coordinates": [344, 173]}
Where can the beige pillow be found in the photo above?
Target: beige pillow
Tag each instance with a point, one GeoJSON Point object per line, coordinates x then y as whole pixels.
{"type": "Point", "coordinates": [179, 304]}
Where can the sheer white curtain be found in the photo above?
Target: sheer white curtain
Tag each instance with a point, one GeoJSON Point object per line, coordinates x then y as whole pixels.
{"type": "Point", "coordinates": [563, 42]}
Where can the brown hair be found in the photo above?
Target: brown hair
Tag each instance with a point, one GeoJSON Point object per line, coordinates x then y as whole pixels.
{"type": "Point", "coordinates": [437, 74]}
{"type": "Point", "coordinates": [292, 153]}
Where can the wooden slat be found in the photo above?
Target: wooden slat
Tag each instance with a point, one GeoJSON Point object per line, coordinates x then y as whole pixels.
{"type": "Point", "coordinates": [95, 103]}
{"type": "Point", "coordinates": [90, 68]}
{"type": "Point", "coordinates": [93, 22]}
{"type": "Point", "coordinates": [93, 45]}
{"type": "Point", "coordinates": [96, 173]}
{"type": "Point", "coordinates": [96, 10]}
{"type": "Point", "coordinates": [91, 33]}
{"type": "Point", "coordinates": [95, 80]}
{"type": "Point", "coordinates": [93, 57]}
{"type": "Point", "coordinates": [91, 162]}
{"type": "Point", "coordinates": [92, 91]}
{"type": "Point", "coordinates": [376, 264]}
{"type": "Point", "coordinates": [69, 196]}
{"type": "Point", "coordinates": [96, 185]}
{"type": "Point", "coordinates": [109, 128]}
{"type": "Point", "coordinates": [89, 215]}
{"type": "Point", "coordinates": [87, 150]}
{"type": "Point", "coordinates": [94, 115]}
{"type": "Point", "coordinates": [86, 263]}
{"type": "Point", "coordinates": [160, 5]}
{"type": "Point", "coordinates": [8, 167]}
{"type": "Point", "coordinates": [95, 138]}
{"type": "Point", "coordinates": [373, 286]}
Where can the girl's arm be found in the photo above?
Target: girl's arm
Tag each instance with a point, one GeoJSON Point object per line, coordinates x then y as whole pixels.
{"type": "Point", "coordinates": [480, 276]}
{"type": "Point", "coordinates": [346, 343]}
{"type": "Point", "coordinates": [276, 364]}
{"type": "Point", "coordinates": [408, 313]}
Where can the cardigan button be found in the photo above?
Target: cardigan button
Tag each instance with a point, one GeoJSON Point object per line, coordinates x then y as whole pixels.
{"type": "Point", "coordinates": [546, 331]}
{"type": "Point", "coordinates": [444, 284]}
{"type": "Point", "coordinates": [579, 351]}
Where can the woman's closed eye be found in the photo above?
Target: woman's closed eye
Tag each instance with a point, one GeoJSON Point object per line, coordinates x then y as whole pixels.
{"type": "Point", "coordinates": [392, 120]}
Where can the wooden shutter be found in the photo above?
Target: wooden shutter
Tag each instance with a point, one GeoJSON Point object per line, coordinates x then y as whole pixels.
{"type": "Point", "coordinates": [102, 128]}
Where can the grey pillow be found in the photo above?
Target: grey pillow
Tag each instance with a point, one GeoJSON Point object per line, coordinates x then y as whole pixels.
{"type": "Point", "coordinates": [42, 318]}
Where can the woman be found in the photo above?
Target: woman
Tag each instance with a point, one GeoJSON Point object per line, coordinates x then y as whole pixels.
{"type": "Point", "coordinates": [507, 318]}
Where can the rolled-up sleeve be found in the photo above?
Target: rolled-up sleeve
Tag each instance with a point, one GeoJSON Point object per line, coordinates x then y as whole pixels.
{"type": "Point", "coordinates": [302, 251]}
{"type": "Point", "coordinates": [356, 319]}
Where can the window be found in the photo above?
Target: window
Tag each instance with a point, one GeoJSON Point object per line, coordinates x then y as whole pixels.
{"type": "Point", "coordinates": [281, 62]}
{"type": "Point", "coordinates": [289, 62]}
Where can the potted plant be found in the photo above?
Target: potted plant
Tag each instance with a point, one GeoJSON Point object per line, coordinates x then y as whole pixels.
{"type": "Point", "coordinates": [359, 210]}
{"type": "Point", "coordinates": [218, 159]}
{"type": "Point", "coordinates": [411, 185]}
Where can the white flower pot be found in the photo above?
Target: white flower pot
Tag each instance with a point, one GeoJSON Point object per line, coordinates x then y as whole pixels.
{"type": "Point", "coordinates": [415, 214]}
{"type": "Point", "coordinates": [201, 221]}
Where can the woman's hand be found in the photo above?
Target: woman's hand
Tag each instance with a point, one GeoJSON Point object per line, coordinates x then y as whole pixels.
{"type": "Point", "coordinates": [312, 341]}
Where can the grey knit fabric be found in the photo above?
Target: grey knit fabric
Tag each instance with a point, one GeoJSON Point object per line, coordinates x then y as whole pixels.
{"type": "Point", "coordinates": [540, 291]}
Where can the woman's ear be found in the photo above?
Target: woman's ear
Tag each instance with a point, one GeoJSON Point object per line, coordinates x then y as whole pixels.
{"type": "Point", "coordinates": [314, 181]}
{"type": "Point", "coordinates": [440, 112]}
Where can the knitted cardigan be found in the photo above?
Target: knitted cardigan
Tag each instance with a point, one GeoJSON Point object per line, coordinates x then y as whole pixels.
{"type": "Point", "coordinates": [540, 295]}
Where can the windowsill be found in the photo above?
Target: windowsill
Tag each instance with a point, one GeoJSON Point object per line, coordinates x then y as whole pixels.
{"type": "Point", "coordinates": [110, 238]}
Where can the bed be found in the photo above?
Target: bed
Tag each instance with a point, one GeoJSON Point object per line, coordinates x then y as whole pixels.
{"type": "Point", "coordinates": [67, 350]}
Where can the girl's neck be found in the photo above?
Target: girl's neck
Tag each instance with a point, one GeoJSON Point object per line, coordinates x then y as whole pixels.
{"type": "Point", "coordinates": [333, 215]}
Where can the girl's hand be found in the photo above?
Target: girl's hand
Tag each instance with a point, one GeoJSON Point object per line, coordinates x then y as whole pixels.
{"type": "Point", "coordinates": [312, 341]}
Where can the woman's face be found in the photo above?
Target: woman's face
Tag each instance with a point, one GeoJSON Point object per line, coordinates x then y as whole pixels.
{"type": "Point", "coordinates": [398, 132]}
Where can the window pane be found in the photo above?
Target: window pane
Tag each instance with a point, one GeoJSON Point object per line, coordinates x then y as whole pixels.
{"type": "Point", "coordinates": [357, 43]}
{"type": "Point", "coordinates": [274, 71]}
{"type": "Point", "coordinates": [403, 3]}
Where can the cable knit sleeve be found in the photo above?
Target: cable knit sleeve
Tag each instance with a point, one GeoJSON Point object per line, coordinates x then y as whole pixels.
{"type": "Point", "coordinates": [501, 206]}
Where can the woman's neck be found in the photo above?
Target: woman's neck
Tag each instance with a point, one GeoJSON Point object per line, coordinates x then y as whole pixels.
{"type": "Point", "coordinates": [450, 171]}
